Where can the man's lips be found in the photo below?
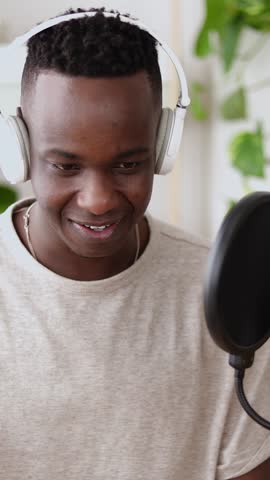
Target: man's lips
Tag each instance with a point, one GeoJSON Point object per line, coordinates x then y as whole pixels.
{"type": "Point", "coordinates": [88, 232]}
{"type": "Point", "coordinates": [97, 224]}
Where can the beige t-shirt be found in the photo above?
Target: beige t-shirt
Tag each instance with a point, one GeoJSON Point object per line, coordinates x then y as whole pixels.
{"type": "Point", "coordinates": [118, 379]}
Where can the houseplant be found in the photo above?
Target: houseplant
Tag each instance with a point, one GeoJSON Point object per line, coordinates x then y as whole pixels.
{"type": "Point", "coordinates": [8, 196]}
{"type": "Point", "coordinates": [225, 23]}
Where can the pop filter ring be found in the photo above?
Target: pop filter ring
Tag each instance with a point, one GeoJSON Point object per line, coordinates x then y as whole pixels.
{"type": "Point", "coordinates": [240, 357]}
{"type": "Point", "coordinates": [218, 255]}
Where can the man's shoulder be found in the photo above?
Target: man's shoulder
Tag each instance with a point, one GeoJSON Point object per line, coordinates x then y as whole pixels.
{"type": "Point", "coordinates": [5, 223]}
{"type": "Point", "coordinates": [177, 238]}
{"type": "Point", "coordinates": [9, 240]}
{"type": "Point", "coordinates": [178, 254]}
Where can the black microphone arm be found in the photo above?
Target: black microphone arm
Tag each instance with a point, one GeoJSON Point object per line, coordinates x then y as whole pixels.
{"type": "Point", "coordinates": [236, 300]}
{"type": "Point", "coordinates": [239, 376]}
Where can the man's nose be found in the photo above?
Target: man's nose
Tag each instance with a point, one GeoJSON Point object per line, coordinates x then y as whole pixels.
{"type": "Point", "coordinates": [98, 194]}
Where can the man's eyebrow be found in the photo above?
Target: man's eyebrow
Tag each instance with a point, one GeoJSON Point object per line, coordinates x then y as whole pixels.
{"type": "Point", "coordinates": [73, 156]}
{"type": "Point", "coordinates": [63, 153]}
{"type": "Point", "coordinates": [131, 153]}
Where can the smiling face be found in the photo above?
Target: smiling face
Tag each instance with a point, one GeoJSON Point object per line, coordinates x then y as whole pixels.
{"type": "Point", "coordinates": [92, 159]}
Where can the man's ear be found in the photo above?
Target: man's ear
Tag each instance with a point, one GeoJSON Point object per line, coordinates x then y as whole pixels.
{"type": "Point", "coordinates": [19, 112]}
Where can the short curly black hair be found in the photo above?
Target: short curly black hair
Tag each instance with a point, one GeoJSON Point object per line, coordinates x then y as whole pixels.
{"type": "Point", "coordinates": [96, 46]}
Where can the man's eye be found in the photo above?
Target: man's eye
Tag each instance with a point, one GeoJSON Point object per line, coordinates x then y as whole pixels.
{"type": "Point", "coordinates": [127, 165]}
{"type": "Point", "coordinates": [66, 167]}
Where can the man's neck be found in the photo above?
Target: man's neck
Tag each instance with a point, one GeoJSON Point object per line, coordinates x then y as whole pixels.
{"type": "Point", "coordinates": [60, 259]}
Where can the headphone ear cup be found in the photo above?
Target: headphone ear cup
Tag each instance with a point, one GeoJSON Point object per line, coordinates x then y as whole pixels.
{"type": "Point", "coordinates": [15, 163]}
{"type": "Point", "coordinates": [169, 139]}
{"type": "Point", "coordinates": [163, 136]}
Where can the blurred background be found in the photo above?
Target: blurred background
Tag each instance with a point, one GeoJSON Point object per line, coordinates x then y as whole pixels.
{"type": "Point", "coordinates": [224, 48]}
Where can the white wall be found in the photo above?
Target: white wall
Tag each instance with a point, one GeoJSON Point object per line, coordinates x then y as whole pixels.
{"type": "Point", "coordinates": [19, 16]}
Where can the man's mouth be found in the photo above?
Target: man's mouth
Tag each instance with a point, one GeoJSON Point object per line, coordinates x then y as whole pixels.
{"type": "Point", "coordinates": [95, 231]}
{"type": "Point", "coordinates": [96, 228]}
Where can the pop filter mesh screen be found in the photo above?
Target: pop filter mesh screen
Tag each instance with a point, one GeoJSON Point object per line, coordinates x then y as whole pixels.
{"type": "Point", "coordinates": [243, 299]}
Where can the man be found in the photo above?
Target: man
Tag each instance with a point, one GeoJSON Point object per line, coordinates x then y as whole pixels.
{"type": "Point", "coordinates": [107, 371]}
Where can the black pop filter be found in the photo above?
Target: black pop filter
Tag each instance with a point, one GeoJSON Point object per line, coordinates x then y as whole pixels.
{"type": "Point", "coordinates": [237, 286]}
{"type": "Point", "coordinates": [237, 283]}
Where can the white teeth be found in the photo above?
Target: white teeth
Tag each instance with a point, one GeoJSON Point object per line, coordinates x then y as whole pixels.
{"type": "Point", "coordinates": [97, 229]}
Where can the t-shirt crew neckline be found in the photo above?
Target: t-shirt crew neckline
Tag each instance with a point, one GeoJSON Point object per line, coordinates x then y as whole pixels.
{"type": "Point", "coordinates": [32, 266]}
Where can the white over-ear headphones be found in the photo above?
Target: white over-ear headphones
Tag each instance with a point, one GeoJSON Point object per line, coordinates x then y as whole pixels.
{"type": "Point", "coordinates": [15, 163]}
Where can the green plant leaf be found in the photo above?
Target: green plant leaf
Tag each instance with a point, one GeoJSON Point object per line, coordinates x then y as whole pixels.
{"type": "Point", "coordinates": [247, 153]}
{"type": "Point", "coordinates": [213, 22]}
{"type": "Point", "coordinates": [227, 18]}
{"type": "Point", "coordinates": [217, 14]}
{"type": "Point", "coordinates": [235, 105]}
{"type": "Point", "coordinates": [231, 203]}
{"type": "Point", "coordinates": [261, 22]}
{"type": "Point", "coordinates": [197, 107]}
{"type": "Point", "coordinates": [255, 13]}
{"type": "Point", "coordinates": [251, 7]}
{"type": "Point", "coordinates": [202, 45]}
{"type": "Point", "coordinates": [8, 196]}
{"type": "Point", "coordinates": [229, 37]}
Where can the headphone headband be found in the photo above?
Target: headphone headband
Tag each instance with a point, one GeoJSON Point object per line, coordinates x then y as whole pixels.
{"type": "Point", "coordinates": [16, 164]}
{"type": "Point", "coordinates": [183, 100]}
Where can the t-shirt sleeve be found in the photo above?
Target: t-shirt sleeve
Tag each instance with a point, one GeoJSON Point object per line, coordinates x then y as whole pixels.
{"type": "Point", "coordinates": [245, 444]}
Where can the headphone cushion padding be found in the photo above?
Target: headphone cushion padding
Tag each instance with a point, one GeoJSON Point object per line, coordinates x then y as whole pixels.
{"type": "Point", "coordinates": [19, 162]}
{"type": "Point", "coordinates": [163, 137]}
